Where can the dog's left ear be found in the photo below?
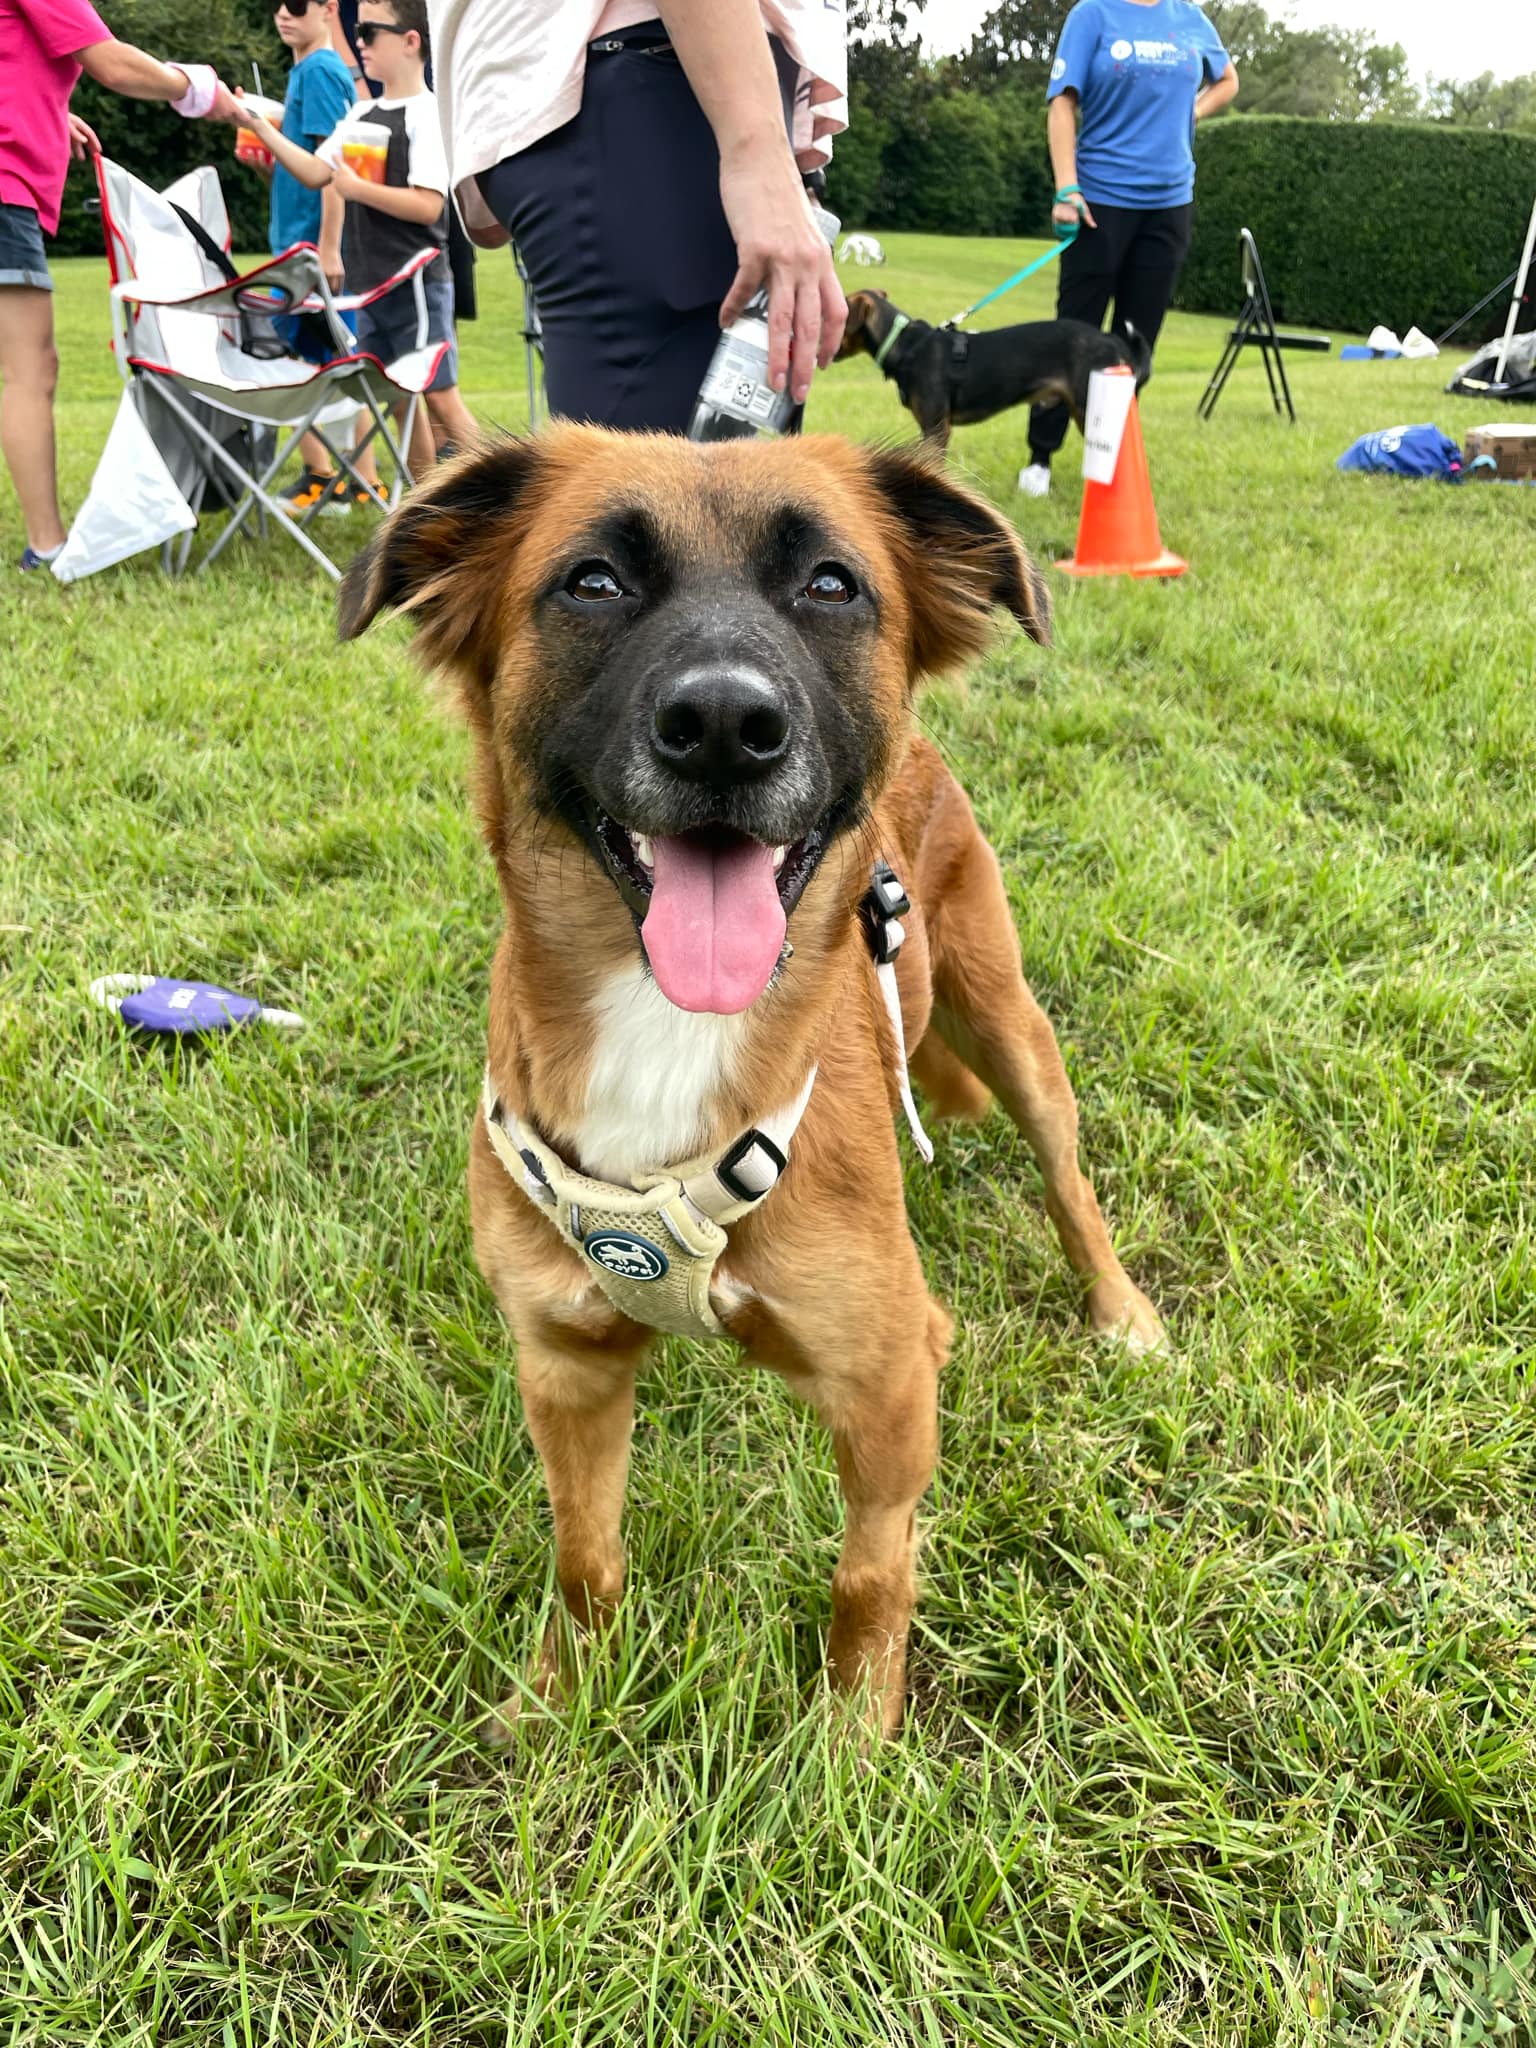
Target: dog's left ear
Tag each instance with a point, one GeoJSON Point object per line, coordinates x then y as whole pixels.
{"type": "Point", "coordinates": [961, 559]}
{"type": "Point", "coordinates": [442, 555]}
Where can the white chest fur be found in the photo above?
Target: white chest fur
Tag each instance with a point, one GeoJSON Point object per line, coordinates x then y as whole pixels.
{"type": "Point", "coordinates": [656, 1071]}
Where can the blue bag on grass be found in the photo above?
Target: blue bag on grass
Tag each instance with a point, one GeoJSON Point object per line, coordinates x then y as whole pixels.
{"type": "Point", "coordinates": [1405, 451]}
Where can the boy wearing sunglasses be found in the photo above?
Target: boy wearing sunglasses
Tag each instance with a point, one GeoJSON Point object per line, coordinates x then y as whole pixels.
{"type": "Point", "coordinates": [319, 95]}
{"type": "Point", "coordinates": [395, 204]}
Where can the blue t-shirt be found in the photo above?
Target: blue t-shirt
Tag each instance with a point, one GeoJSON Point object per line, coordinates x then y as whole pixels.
{"type": "Point", "coordinates": [319, 94]}
{"type": "Point", "coordinates": [1136, 71]}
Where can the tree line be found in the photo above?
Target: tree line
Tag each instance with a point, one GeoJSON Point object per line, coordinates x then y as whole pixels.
{"type": "Point", "coordinates": [946, 145]}
{"type": "Point", "coordinates": [957, 144]}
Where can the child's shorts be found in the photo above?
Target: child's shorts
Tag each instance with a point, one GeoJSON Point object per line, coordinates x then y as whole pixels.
{"type": "Point", "coordinates": [23, 260]}
{"type": "Point", "coordinates": [308, 335]}
{"type": "Point", "coordinates": [387, 328]}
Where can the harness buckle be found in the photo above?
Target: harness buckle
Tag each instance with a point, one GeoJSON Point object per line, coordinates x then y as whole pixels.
{"type": "Point", "coordinates": [883, 903]}
{"type": "Point", "coordinates": [751, 1167]}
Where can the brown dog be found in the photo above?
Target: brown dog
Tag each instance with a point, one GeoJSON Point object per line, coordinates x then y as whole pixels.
{"type": "Point", "coordinates": [688, 673]}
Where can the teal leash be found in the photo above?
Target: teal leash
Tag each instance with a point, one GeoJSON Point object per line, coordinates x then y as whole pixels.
{"type": "Point", "coordinates": [1063, 244]}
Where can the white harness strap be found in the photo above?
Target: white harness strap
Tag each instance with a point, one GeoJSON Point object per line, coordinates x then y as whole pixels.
{"type": "Point", "coordinates": [881, 911]}
{"type": "Point", "coordinates": [653, 1247]}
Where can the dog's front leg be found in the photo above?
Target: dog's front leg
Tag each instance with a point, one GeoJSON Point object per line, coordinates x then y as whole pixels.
{"type": "Point", "coordinates": [580, 1406]}
{"type": "Point", "coordinates": [885, 1430]}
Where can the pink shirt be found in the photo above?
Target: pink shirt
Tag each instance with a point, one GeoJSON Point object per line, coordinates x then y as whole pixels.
{"type": "Point", "coordinates": [38, 39]}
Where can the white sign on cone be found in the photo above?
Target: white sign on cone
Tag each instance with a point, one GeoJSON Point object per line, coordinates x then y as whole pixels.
{"type": "Point", "coordinates": [1110, 393]}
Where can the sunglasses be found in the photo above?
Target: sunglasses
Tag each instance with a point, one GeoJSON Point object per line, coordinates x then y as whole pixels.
{"type": "Point", "coordinates": [367, 31]}
{"type": "Point", "coordinates": [295, 7]}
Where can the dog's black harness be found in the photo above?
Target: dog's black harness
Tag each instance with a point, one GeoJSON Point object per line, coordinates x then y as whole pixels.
{"type": "Point", "coordinates": [959, 357]}
{"type": "Point", "coordinates": [891, 354]}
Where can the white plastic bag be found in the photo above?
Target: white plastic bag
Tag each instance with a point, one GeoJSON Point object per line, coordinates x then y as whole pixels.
{"type": "Point", "coordinates": [133, 502]}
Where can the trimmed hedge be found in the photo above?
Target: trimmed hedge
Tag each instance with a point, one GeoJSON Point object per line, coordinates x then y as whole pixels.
{"type": "Point", "coordinates": [1404, 222]}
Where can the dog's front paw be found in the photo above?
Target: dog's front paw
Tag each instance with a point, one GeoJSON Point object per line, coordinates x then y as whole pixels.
{"type": "Point", "coordinates": [867, 1673]}
{"type": "Point", "coordinates": [1121, 1314]}
{"type": "Point", "coordinates": [549, 1689]}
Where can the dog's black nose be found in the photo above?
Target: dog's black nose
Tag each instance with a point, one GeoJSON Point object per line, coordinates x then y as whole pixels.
{"type": "Point", "coordinates": [720, 726]}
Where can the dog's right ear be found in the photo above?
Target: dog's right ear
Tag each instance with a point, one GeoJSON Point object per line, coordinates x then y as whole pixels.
{"type": "Point", "coordinates": [437, 552]}
{"type": "Point", "coordinates": [961, 558]}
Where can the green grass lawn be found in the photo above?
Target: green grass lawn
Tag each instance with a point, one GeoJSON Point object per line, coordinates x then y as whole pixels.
{"type": "Point", "coordinates": [1224, 1727]}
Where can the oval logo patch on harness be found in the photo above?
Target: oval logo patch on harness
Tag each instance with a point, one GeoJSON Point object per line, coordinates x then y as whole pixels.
{"type": "Point", "coordinates": [631, 1258]}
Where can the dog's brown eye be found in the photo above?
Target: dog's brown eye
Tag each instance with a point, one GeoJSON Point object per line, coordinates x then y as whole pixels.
{"type": "Point", "coordinates": [594, 583]}
{"type": "Point", "coordinates": [831, 585]}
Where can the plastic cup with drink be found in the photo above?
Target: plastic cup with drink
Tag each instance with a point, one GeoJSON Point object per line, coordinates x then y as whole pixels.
{"type": "Point", "coordinates": [365, 150]}
{"type": "Point", "coordinates": [249, 147]}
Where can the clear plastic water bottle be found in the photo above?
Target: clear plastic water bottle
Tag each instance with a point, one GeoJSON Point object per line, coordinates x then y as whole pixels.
{"type": "Point", "coordinates": [736, 399]}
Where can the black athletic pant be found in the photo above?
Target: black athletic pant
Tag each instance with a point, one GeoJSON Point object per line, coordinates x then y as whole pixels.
{"type": "Point", "coordinates": [1134, 257]}
{"type": "Point", "coordinates": [618, 220]}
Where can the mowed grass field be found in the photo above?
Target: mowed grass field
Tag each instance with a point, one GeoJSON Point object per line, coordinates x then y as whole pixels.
{"type": "Point", "coordinates": [1224, 1714]}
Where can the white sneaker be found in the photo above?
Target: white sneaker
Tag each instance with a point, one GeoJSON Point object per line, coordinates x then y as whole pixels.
{"type": "Point", "coordinates": [1035, 482]}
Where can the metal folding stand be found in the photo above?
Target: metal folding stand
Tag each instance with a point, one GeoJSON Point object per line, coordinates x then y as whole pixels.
{"type": "Point", "coordinates": [533, 347]}
{"type": "Point", "coordinates": [1518, 300]}
{"type": "Point", "coordinates": [1256, 328]}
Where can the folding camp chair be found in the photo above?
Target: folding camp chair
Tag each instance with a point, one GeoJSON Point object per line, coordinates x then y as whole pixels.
{"type": "Point", "coordinates": [1256, 329]}
{"type": "Point", "coordinates": [236, 416]}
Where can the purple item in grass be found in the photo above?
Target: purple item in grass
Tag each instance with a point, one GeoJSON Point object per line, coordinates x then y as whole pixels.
{"type": "Point", "coordinates": [187, 1006]}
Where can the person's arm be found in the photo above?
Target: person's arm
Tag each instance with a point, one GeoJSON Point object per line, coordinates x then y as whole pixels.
{"type": "Point", "coordinates": [723, 48]}
{"type": "Point", "coordinates": [1064, 95]}
{"type": "Point", "coordinates": [310, 170]}
{"type": "Point", "coordinates": [405, 202]}
{"type": "Point", "coordinates": [122, 68]}
{"type": "Point", "coordinates": [332, 213]}
{"type": "Point", "coordinates": [1061, 134]}
{"type": "Point", "coordinates": [1221, 92]}
{"type": "Point", "coordinates": [83, 139]}
{"type": "Point", "coordinates": [348, 56]}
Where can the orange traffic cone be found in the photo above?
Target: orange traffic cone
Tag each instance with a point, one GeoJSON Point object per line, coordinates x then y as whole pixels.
{"type": "Point", "coordinates": [1117, 531]}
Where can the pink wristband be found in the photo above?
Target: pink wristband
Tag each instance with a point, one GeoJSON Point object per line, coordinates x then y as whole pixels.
{"type": "Point", "coordinates": [202, 86]}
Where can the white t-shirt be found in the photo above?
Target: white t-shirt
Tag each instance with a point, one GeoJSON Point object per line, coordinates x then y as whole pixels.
{"type": "Point", "coordinates": [509, 71]}
{"type": "Point", "coordinates": [404, 137]}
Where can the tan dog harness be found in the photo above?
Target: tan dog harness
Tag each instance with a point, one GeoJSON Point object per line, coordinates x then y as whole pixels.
{"type": "Point", "coordinates": [653, 1247]}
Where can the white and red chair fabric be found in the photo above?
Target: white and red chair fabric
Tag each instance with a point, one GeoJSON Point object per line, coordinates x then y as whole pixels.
{"type": "Point", "coordinates": [202, 418]}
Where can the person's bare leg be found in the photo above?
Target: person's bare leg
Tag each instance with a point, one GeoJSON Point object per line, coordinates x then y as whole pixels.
{"type": "Point", "coordinates": [317, 457]}
{"type": "Point", "coordinates": [422, 452]}
{"type": "Point", "coordinates": [452, 419]}
{"type": "Point", "coordinates": [29, 375]}
{"type": "Point", "coordinates": [366, 461]}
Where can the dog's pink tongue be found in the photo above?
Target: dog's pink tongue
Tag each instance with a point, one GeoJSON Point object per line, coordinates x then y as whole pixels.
{"type": "Point", "coordinates": [715, 927]}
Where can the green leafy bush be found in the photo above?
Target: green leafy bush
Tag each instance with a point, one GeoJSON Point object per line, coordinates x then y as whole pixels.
{"type": "Point", "coordinates": [146, 138]}
{"type": "Point", "coordinates": [1358, 222]}
{"type": "Point", "coordinates": [957, 163]}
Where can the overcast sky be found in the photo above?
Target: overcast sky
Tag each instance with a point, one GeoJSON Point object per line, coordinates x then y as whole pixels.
{"type": "Point", "coordinates": [1499, 38]}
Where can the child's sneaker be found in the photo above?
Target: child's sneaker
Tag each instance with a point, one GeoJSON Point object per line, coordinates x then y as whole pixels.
{"type": "Point", "coordinates": [1035, 482]}
{"type": "Point", "coordinates": [350, 492]}
{"type": "Point", "coordinates": [312, 490]}
{"type": "Point", "coordinates": [39, 558]}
